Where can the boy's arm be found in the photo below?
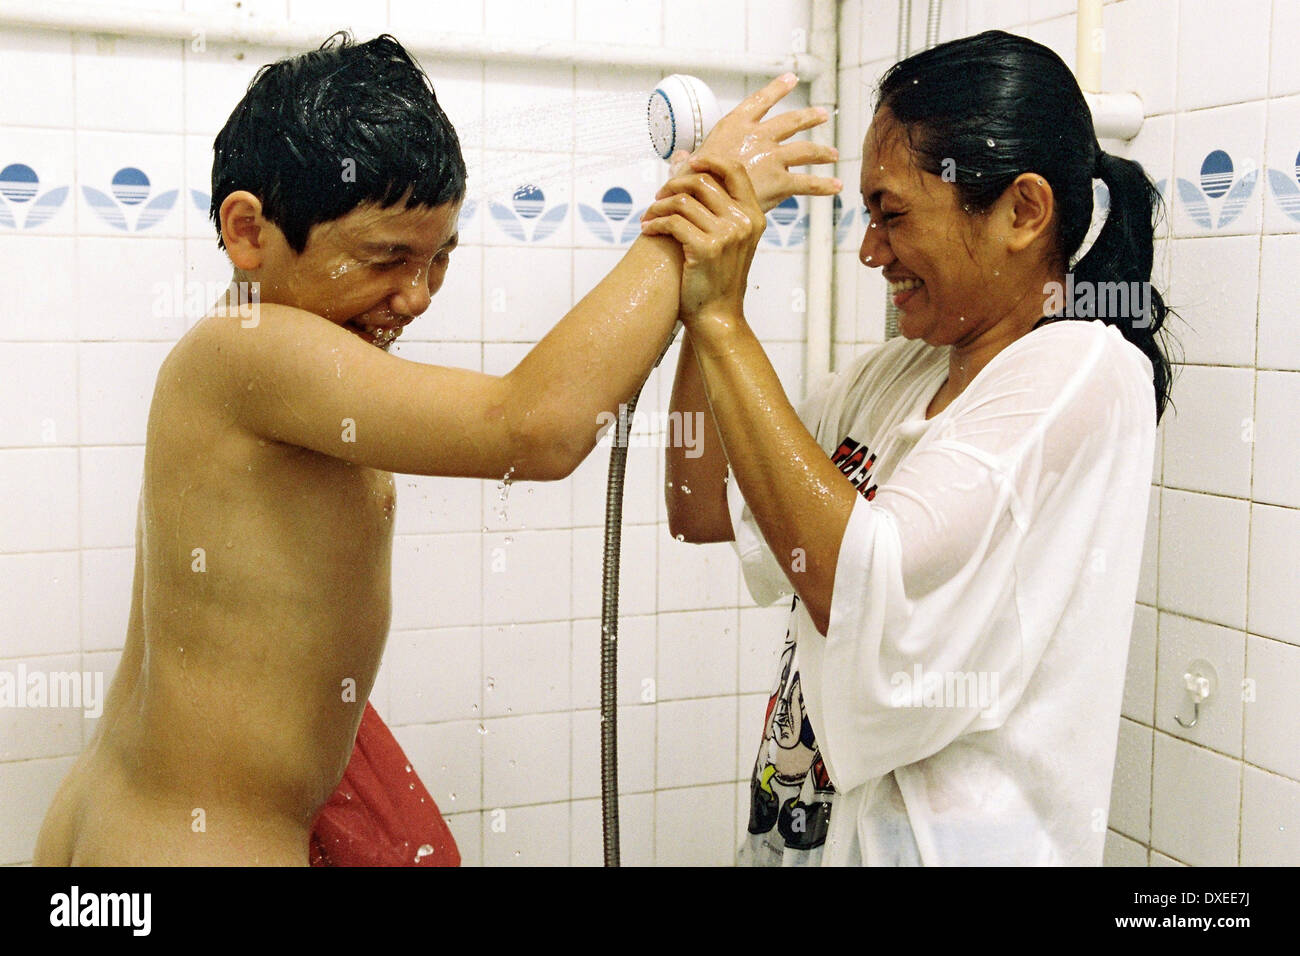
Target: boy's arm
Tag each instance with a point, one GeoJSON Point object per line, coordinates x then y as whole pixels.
{"type": "Point", "coordinates": [300, 379]}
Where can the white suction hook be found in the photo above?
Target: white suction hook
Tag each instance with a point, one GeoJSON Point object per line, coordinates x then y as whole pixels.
{"type": "Point", "coordinates": [681, 111]}
{"type": "Point", "coordinates": [1200, 681]}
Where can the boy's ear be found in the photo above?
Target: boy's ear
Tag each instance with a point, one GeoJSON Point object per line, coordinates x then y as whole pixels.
{"type": "Point", "coordinates": [242, 229]}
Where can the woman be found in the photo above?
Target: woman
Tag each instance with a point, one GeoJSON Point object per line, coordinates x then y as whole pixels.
{"type": "Point", "coordinates": [963, 601]}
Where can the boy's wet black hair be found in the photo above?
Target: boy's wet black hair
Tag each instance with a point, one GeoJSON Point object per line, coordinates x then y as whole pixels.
{"type": "Point", "coordinates": [318, 134]}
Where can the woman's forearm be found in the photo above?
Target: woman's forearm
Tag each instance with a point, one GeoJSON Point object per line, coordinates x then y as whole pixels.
{"type": "Point", "coordinates": [695, 475]}
{"type": "Point", "coordinates": [799, 498]}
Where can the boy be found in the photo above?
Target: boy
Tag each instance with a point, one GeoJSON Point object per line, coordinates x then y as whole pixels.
{"type": "Point", "coordinates": [262, 591]}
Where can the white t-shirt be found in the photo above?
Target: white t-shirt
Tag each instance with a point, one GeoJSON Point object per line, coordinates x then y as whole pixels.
{"type": "Point", "coordinates": [963, 707]}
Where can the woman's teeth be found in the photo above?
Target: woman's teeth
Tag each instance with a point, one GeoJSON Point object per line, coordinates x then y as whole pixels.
{"type": "Point", "coordinates": [904, 285]}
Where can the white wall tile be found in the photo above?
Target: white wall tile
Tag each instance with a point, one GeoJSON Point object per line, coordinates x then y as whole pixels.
{"type": "Point", "coordinates": [1130, 790]}
{"type": "Point", "coordinates": [34, 726]}
{"type": "Point", "coordinates": [427, 504]}
{"type": "Point", "coordinates": [42, 303]}
{"type": "Point", "coordinates": [1214, 290]}
{"type": "Point", "coordinates": [38, 395]}
{"type": "Point", "coordinates": [1121, 851]}
{"type": "Point", "coordinates": [1147, 577]}
{"type": "Point", "coordinates": [528, 836]}
{"type": "Point", "coordinates": [107, 581]}
{"type": "Point", "coordinates": [1284, 75]}
{"type": "Point", "coordinates": [44, 480]}
{"type": "Point", "coordinates": [29, 786]}
{"type": "Point", "coordinates": [1274, 573]}
{"type": "Point", "coordinates": [128, 83]}
{"type": "Point", "coordinates": [526, 576]}
{"type": "Point", "coordinates": [435, 675]}
{"type": "Point", "coordinates": [778, 26]}
{"type": "Point", "coordinates": [1222, 32]}
{"type": "Point", "coordinates": [115, 389]}
{"type": "Point", "coordinates": [1270, 807]}
{"type": "Point", "coordinates": [46, 53]}
{"type": "Point", "coordinates": [690, 828]}
{"type": "Point", "coordinates": [1277, 435]}
{"type": "Point", "coordinates": [718, 26]}
{"type": "Point", "coordinates": [762, 635]}
{"type": "Point", "coordinates": [1140, 677]}
{"type": "Point", "coordinates": [623, 22]}
{"type": "Point", "coordinates": [1204, 445]}
{"type": "Point", "coordinates": [467, 830]}
{"type": "Point", "coordinates": [448, 760]}
{"type": "Point", "coordinates": [696, 742]}
{"type": "Point", "coordinates": [1272, 705]}
{"type": "Point", "coordinates": [152, 293]}
{"type": "Point", "coordinates": [437, 581]}
{"type": "Point", "coordinates": [529, 19]}
{"type": "Point", "coordinates": [697, 654]}
{"type": "Point", "coordinates": [40, 598]}
{"type": "Point", "coordinates": [1203, 552]}
{"type": "Point", "coordinates": [697, 576]}
{"type": "Point", "coordinates": [463, 16]}
{"type": "Point", "coordinates": [526, 291]}
{"type": "Point", "coordinates": [1279, 345]}
{"type": "Point", "coordinates": [110, 496]}
{"type": "Point", "coordinates": [526, 760]}
{"type": "Point", "coordinates": [525, 668]}
{"type": "Point", "coordinates": [1194, 803]}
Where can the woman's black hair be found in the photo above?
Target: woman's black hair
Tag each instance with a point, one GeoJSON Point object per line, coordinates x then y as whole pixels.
{"type": "Point", "coordinates": [984, 109]}
{"type": "Point", "coordinates": [317, 135]}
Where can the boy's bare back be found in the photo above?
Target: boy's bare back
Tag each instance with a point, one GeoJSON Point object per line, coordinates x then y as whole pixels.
{"type": "Point", "coordinates": [262, 594]}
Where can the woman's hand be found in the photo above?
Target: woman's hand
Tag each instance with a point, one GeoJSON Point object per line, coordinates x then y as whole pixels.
{"type": "Point", "coordinates": [761, 146]}
{"type": "Point", "coordinates": [719, 231]}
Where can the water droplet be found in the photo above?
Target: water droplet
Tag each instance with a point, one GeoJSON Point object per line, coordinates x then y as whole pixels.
{"type": "Point", "coordinates": [685, 490]}
{"type": "Point", "coordinates": [423, 851]}
{"type": "Point", "coordinates": [991, 143]}
{"type": "Point", "coordinates": [408, 768]}
{"type": "Point", "coordinates": [681, 537]}
{"type": "Point", "coordinates": [491, 683]}
{"type": "Point", "coordinates": [481, 729]}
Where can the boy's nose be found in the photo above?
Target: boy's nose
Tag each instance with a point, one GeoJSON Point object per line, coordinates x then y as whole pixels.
{"type": "Point", "coordinates": [413, 298]}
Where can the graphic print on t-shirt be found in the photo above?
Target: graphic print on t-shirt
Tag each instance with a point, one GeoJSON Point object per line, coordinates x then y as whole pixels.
{"type": "Point", "coordinates": [852, 459]}
{"type": "Point", "coordinates": [791, 790]}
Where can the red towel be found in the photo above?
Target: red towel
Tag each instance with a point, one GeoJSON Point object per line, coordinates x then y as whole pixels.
{"type": "Point", "coordinates": [380, 814]}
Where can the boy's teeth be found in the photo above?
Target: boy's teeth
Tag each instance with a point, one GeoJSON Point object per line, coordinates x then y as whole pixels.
{"type": "Point", "coordinates": [904, 285]}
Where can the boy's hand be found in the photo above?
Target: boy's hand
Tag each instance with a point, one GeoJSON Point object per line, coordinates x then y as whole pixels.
{"type": "Point", "coordinates": [761, 146]}
{"type": "Point", "coordinates": [718, 228]}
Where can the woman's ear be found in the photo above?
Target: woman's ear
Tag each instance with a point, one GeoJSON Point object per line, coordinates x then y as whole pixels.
{"type": "Point", "coordinates": [1031, 205]}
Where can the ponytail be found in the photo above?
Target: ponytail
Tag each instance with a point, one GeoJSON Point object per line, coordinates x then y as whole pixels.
{"type": "Point", "coordinates": [1122, 256]}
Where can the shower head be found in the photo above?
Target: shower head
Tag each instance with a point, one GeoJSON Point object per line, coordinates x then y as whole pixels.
{"type": "Point", "coordinates": [682, 109]}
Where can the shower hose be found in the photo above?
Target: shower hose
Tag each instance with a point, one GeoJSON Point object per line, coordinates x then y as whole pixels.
{"type": "Point", "coordinates": [609, 622]}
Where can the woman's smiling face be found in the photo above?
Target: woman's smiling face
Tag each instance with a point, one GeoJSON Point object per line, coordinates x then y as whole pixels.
{"type": "Point", "coordinates": [918, 233]}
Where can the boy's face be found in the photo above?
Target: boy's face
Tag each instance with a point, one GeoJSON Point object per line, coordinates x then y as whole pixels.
{"type": "Point", "coordinates": [372, 271]}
